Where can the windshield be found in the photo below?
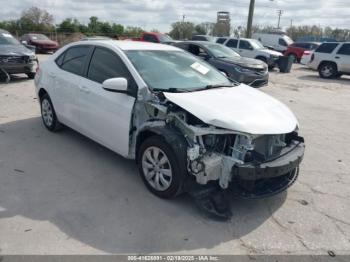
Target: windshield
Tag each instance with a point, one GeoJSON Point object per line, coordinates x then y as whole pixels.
{"type": "Point", "coordinates": [7, 39]}
{"type": "Point", "coordinates": [221, 51]}
{"type": "Point", "coordinates": [256, 44]}
{"type": "Point", "coordinates": [175, 71]}
{"type": "Point", "coordinates": [288, 40]}
{"type": "Point", "coordinates": [165, 38]}
{"type": "Point", "coordinates": [39, 37]}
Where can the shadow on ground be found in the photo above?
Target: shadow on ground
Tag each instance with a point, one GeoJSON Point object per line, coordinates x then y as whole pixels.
{"type": "Point", "coordinates": [343, 80]}
{"type": "Point", "coordinates": [13, 78]}
{"type": "Point", "coordinates": [96, 197]}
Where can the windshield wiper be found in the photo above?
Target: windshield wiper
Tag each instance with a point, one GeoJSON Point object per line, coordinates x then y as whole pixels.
{"type": "Point", "coordinates": [215, 86]}
{"type": "Point", "coordinates": [171, 90]}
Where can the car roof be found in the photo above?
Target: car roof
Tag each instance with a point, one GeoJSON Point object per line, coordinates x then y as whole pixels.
{"type": "Point", "coordinates": [131, 45]}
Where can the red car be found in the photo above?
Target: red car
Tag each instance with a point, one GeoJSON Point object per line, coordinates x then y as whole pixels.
{"type": "Point", "coordinates": [154, 38]}
{"type": "Point", "coordinates": [41, 42]}
{"type": "Point", "coordinates": [296, 50]}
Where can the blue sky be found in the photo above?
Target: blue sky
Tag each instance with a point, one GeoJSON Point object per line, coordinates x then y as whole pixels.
{"type": "Point", "coordinates": [161, 13]}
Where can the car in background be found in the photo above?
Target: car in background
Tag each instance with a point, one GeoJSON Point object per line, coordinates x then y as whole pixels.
{"type": "Point", "coordinates": [181, 120]}
{"type": "Point", "coordinates": [202, 38]}
{"type": "Point", "coordinates": [154, 37]}
{"type": "Point", "coordinates": [220, 40]}
{"type": "Point", "coordinates": [296, 50]}
{"type": "Point", "coordinates": [278, 41]}
{"type": "Point", "coordinates": [15, 58]}
{"type": "Point", "coordinates": [249, 71]}
{"type": "Point", "coordinates": [331, 60]}
{"type": "Point", "coordinates": [42, 43]}
{"type": "Point", "coordinates": [252, 48]}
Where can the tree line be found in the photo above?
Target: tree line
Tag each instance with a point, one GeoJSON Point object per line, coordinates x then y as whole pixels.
{"type": "Point", "coordinates": [35, 19]}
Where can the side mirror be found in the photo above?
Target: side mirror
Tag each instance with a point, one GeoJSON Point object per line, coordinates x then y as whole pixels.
{"type": "Point", "coordinates": [24, 42]}
{"type": "Point", "coordinates": [118, 85]}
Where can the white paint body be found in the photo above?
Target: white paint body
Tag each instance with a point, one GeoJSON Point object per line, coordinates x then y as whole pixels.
{"type": "Point", "coordinates": [106, 117]}
{"type": "Point", "coordinates": [278, 42]}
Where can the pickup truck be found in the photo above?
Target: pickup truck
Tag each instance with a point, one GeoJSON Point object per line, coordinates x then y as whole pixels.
{"type": "Point", "coordinates": [154, 37]}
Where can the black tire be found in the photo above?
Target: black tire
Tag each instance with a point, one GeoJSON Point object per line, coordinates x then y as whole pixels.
{"type": "Point", "coordinates": [54, 125]}
{"type": "Point", "coordinates": [328, 70]}
{"type": "Point", "coordinates": [31, 75]}
{"type": "Point", "coordinates": [176, 163]}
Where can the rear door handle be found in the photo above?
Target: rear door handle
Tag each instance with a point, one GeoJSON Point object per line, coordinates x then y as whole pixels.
{"type": "Point", "coordinates": [52, 75]}
{"type": "Point", "coordinates": [84, 89]}
{"type": "Point", "coordinates": [337, 57]}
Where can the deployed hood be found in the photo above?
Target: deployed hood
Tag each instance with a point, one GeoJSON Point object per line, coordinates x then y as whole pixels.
{"type": "Point", "coordinates": [241, 108]}
{"type": "Point", "coordinates": [244, 62]}
{"type": "Point", "coordinates": [271, 52]}
{"type": "Point", "coordinates": [15, 50]}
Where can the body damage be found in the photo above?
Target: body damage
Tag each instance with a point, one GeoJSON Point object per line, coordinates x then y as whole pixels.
{"type": "Point", "coordinates": [213, 152]}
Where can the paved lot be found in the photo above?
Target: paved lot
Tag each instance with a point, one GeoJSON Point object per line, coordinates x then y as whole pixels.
{"type": "Point", "coordinates": [64, 194]}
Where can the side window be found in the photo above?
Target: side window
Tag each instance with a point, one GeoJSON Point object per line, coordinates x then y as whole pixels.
{"type": "Point", "coordinates": [344, 50]}
{"type": "Point", "coordinates": [282, 42]}
{"type": "Point", "coordinates": [74, 59]}
{"type": "Point", "coordinates": [59, 60]}
{"type": "Point", "coordinates": [326, 48]}
{"type": "Point", "coordinates": [245, 45]}
{"type": "Point", "coordinates": [221, 40]}
{"type": "Point", "coordinates": [232, 43]}
{"type": "Point", "coordinates": [150, 38]}
{"type": "Point", "coordinates": [106, 64]}
{"type": "Point", "coordinates": [194, 49]}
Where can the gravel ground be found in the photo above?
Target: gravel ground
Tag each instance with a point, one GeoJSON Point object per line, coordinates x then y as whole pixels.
{"type": "Point", "coordinates": [64, 194]}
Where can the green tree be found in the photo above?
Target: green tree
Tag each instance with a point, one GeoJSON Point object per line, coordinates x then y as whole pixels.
{"type": "Point", "coordinates": [69, 25]}
{"type": "Point", "coordinates": [133, 31]}
{"type": "Point", "coordinates": [182, 30]}
{"type": "Point", "coordinates": [36, 19]}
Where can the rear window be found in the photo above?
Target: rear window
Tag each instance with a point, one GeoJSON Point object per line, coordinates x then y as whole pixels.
{"type": "Point", "coordinates": [344, 50]}
{"type": "Point", "coordinates": [326, 48]}
{"type": "Point", "coordinates": [221, 40]}
{"type": "Point", "coordinates": [232, 43]}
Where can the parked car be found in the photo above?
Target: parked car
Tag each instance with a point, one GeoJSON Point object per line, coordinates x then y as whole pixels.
{"type": "Point", "coordinates": [296, 50]}
{"type": "Point", "coordinates": [249, 71]}
{"type": "Point", "coordinates": [331, 60]}
{"type": "Point", "coordinates": [202, 38]}
{"type": "Point", "coordinates": [181, 119]}
{"type": "Point", "coordinates": [220, 40]}
{"type": "Point", "coordinates": [278, 41]}
{"type": "Point", "coordinates": [154, 37]}
{"type": "Point", "coordinates": [252, 48]}
{"type": "Point", "coordinates": [42, 43]}
{"type": "Point", "coordinates": [15, 58]}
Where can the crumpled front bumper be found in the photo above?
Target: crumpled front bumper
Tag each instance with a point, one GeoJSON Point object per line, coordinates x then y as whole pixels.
{"type": "Point", "coordinates": [271, 177]}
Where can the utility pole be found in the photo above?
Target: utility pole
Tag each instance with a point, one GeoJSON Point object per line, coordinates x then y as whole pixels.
{"type": "Point", "coordinates": [183, 27]}
{"type": "Point", "coordinates": [250, 19]}
{"type": "Point", "coordinates": [279, 13]}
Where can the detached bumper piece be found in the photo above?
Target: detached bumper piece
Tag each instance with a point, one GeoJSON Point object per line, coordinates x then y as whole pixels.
{"type": "Point", "coordinates": [269, 178]}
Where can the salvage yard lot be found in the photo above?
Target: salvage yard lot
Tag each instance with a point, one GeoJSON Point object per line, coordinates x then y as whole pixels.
{"type": "Point", "coordinates": [64, 194]}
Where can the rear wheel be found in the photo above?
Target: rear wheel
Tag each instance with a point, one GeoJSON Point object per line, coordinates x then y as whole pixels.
{"type": "Point", "coordinates": [48, 114]}
{"type": "Point", "coordinates": [160, 167]}
{"type": "Point", "coordinates": [328, 70]}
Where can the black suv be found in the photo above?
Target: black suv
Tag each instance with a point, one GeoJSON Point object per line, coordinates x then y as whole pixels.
{"type": "Point", "coordinates": [15, 58]}
{"type": "Point", "coordinates": [249, 71]}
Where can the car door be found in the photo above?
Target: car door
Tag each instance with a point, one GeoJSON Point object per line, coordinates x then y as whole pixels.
{"type": "Point", "coordinates": [245, 49]}
{"type": "Point", "coordinates": [342, 58]}
{"type": "Point", "coordinates": [65, 84]}
{"type": "Point", "coordinates": [233, 44]}
{"type": "Point", "coordinates": [105, 115]}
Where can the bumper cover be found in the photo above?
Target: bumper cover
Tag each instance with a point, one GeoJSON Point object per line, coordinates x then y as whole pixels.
{"type": "Point", "coordinates": [275, 168]}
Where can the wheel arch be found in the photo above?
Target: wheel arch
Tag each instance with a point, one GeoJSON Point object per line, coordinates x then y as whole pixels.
{"type": "Point", "coordinates": [41, 93]}
{"type": "Point", "coordinates": [327, 62]}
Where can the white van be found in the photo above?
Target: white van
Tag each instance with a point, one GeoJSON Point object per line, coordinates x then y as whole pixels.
{"type": "Point", "coordinates": [277, 41]}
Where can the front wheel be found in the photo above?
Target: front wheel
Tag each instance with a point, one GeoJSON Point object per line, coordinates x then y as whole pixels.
{"type": "Point", "coordinates": [160, 168]}
{"type": "Point", "coordinates": [48, 114]}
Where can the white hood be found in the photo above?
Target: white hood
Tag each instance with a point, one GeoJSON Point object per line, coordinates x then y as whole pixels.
{"type": "Point", "coordinates": [271, 52]}
{"type": "Point", "coordinates": [239, 108]}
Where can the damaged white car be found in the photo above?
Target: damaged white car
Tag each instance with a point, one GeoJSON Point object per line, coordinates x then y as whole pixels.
{"type": "Point", "coordinates": [183, 121]}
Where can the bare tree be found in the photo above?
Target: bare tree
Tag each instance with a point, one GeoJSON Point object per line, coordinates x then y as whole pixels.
{"type": "Point", "coordinates": [36, 19]}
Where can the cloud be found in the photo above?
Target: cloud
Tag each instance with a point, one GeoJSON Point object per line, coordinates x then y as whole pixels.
{"type": "Point", "coordinates": [161, 13]}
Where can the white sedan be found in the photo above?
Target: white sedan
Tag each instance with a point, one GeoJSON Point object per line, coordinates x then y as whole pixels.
{"type": "Point", "coordinates": [181, 119]}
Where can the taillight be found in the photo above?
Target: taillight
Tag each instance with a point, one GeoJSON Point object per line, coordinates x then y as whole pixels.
{"type": "Point", "coordinates": [307, 52]}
